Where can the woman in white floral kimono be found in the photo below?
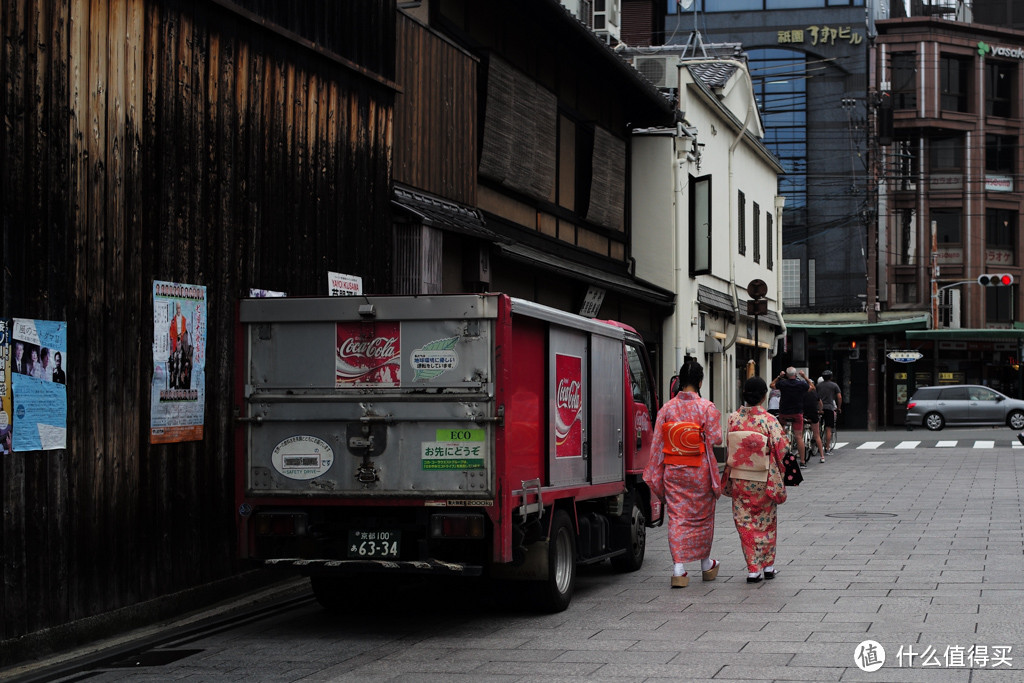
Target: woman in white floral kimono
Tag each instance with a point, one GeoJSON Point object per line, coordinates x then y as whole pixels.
{"type": "Point", "coordinates": [753, 509]}
{"type": "Point", "coordinates": [689, 491]}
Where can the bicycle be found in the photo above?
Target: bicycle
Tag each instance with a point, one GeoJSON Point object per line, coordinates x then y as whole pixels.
{"type": "Point", "coordinates": [810, 443]}
{"type": "Point", "coordinates": [826, 444]}
{"type": "Point", "coordinates": [791, 447]}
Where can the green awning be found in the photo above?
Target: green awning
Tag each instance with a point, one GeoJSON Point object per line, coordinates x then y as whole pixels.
{"type": "Point", "coordinates": [859, 328]}
{"type": "Point", "coordinates": [968, 334]}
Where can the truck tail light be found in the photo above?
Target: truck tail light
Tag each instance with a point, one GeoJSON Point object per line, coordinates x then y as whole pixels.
{"type": "Point", "coordinates": [911, 405]}
{"type": "Point", "coordinates": [281, 524]}
{"type": "Point", "coordinates": [455, 525]}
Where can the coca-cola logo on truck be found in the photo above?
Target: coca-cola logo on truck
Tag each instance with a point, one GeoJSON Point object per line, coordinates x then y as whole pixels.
{"type": "Point", "coordinates": [568, 406]}
{"type": "Point", "coordinates": [369, 355]}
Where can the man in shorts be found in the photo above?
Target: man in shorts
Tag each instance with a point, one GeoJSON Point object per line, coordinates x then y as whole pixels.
{"type": "Point", "coordinates": [793, 386]}
{"type": "Point", "coordinates": [831, 402]}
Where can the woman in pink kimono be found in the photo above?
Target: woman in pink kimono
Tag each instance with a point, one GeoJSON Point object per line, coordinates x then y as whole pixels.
{"type": "Point", "coordinates": [754, 513]}
{"type": "Point", "coordinates": [689, 490]}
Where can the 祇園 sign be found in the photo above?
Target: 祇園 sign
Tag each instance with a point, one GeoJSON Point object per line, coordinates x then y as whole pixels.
{"type": "Point", "coordinates": [820, 35]}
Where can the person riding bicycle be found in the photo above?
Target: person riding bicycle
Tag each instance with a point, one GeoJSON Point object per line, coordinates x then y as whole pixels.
{"type": "Point", "coordinates": [791, 403]}
{"type": "Point", "coordinates": [812, 414]}
{"type": "Point", "coordinates": [832, 403]}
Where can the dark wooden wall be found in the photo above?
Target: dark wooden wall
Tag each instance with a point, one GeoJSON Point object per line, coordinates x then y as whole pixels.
{"type": "Point", "coordinates": [435, 115]}
{"type": "Point", "coordinates": [231, 145]}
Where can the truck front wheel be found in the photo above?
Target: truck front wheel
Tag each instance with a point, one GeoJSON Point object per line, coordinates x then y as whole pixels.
{"type": "Point", "coordinates": [555, 593]}
{"type": "Point", "coordinates": [633, 558]}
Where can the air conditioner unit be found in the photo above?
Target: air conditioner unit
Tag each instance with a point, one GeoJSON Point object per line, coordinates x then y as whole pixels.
{"type": "Point", "coordinates": [661, 70]}
{"type": "Point", "coordinates": [606, 18]}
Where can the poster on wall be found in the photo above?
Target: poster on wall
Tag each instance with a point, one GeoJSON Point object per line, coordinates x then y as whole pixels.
{"type": "Point", "coordinates": [178, 398]}
{"type": "Point", "coordinates": [5, 387]}
{"type": "Point", "coordinates": [38, 371]}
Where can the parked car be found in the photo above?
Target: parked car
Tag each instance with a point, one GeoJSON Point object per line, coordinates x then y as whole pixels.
{"type": "Point", "coordinates": [963, 404]}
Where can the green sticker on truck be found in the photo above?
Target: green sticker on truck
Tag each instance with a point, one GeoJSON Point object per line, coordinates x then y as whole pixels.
{"type": "Point", "coordinates": [455, 449]}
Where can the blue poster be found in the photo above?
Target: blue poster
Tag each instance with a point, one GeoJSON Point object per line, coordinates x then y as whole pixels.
{"type": "Point", "coordinates": [38, 365]}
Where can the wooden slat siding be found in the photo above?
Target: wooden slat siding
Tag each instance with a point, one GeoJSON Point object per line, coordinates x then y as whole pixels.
{"type": "Point", "coordinates": [12, 58]}
{"type": "Point", "coordinates": [135, 359]}
{"type": "Point", "coordinates": [435, 124]}
{"type": "Point", "coordinates": [115, 517]}
{"type": "Point", "coordinates": [95, 559]}
{"type": "Point", "coordinates": [138, 146]}
{"type": "Point", "coordinates": [57, 164]}
{"type": "Point", "coordinates": [151, 157]}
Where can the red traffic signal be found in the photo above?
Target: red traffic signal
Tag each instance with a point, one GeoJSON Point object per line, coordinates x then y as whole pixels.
{"type": "Point", "coordinates": [995, 280]}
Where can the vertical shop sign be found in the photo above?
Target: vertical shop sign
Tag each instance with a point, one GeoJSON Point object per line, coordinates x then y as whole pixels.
{"type": "Point", "coordinates": [178, 396]}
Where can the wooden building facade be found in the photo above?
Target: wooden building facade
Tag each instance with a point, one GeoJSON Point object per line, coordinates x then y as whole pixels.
{"type": "Point", "coordinates": [226, 144]}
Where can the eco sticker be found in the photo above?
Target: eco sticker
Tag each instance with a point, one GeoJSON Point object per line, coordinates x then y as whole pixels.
{"type": "Point", "coordinates": [434, 359]}
{"type": "Point", "coordinates": [455, 449]}
{"type": "Point", "coordinates": [302, 457]}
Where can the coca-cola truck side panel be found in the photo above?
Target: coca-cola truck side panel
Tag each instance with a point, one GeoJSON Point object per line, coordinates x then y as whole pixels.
{"type": "Point", "coordinates": [460, 434]}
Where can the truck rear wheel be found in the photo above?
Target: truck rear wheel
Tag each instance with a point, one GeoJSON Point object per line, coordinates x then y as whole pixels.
{"type": "Point", "coordinates": [633, 558]}
{"type": "Point", "coordinates": [555, 593]}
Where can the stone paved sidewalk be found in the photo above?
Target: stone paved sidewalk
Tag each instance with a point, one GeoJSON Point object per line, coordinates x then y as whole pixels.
{"type": "Point", "coordinates": [921, 551]}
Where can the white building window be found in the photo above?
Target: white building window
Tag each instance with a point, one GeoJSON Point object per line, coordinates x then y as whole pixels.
{"type": "Point", "coordinates": [810, 282]}
{"type": "Point", "coordinates": [791, 282]}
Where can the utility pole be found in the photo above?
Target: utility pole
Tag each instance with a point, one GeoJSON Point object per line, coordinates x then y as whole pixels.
{"type": "Point", "coordinates": [871, 230]}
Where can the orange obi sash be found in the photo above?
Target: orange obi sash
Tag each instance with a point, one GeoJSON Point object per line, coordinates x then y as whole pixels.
{"type": "Point", "coordinates": [683, 443]}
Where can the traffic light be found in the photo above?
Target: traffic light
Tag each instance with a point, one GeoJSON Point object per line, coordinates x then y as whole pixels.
{"type": "Point", "coordinates": [995, 280]}
{"type": "Point", "coordinates": [854, 351]}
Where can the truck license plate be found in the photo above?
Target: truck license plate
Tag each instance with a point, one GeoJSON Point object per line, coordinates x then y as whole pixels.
{"type": "Point", "coordinates": [374, 544]}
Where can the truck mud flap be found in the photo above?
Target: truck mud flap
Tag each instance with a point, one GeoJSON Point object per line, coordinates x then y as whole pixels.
{"type": "Point", "coordinates": [310, 567]}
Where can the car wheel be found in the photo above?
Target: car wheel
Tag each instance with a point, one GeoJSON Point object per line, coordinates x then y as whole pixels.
{"type": "Point", "coordinates": [934, 422]}
{"type": "Point", "coordinates": [1015, 420]}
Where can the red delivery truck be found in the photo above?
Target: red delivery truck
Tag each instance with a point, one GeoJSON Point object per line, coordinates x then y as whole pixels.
{"type": "Point", "coordinates": [468, 434]}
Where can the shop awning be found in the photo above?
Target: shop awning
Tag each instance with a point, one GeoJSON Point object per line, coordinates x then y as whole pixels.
{"type": "Point", "coordinates": [602, 278]}
{"type": "Point", "coordinates": [861, 328]}
{"type": "Point", "coordinates": [967, 334]}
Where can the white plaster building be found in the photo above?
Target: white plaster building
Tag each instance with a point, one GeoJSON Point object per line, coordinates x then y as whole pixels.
{"type": "Point", "coordinates": [706, 218]}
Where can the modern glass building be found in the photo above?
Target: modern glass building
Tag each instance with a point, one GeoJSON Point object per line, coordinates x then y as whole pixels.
{"type": "Point", "coordinates": [809, 62]}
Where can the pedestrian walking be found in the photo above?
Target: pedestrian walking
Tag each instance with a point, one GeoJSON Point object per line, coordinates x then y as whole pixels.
{"type": "Point", "coordinates": [812, 415]}
{"type": "Point", "coordinates": [755, 503]}
{"type": "Point", "coordinates": [832, 404]}
{"type": "Point", "coordinates": [684, 474]}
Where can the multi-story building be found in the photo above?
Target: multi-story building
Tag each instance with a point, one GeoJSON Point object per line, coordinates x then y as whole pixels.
{"type": "Point", "coordinates": [952, 197]}
{"type": "Point", "coordinates": [706, 194]}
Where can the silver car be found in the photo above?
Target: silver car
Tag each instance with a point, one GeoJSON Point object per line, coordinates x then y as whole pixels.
{"type": "Point", "coordinates": [963, 404]}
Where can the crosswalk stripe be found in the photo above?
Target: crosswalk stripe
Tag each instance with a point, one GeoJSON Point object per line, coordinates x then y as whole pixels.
{"type": "Point", "coordinates": [870, 445]}
{"type": "Point", "coordinates": [840, 444]}
{"type": "Point", "coordinates": [945, 444]}
{"type": "Point", "coordinates": [907, 444]}
{"type": "Point", "coordinates": [984, 444]}
{"type": "Point", "coordinates": [1016, 444]}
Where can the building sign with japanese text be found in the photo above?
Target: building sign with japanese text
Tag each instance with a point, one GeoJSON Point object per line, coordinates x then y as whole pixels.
{"type": "Point", "coordinates": [820, 35]}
